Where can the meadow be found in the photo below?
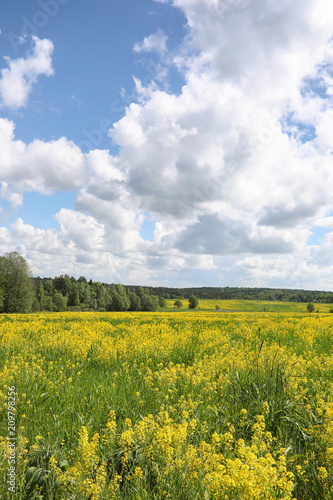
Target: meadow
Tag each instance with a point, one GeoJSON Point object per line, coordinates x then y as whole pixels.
{"type": "Point", "coordinates": [238, 305]}
{"type": "Point", "coordinates": [193, 405]}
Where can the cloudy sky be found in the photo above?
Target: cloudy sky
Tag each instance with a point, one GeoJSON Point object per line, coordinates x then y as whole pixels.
{"type": "Point", "coordinates": [169, 142]}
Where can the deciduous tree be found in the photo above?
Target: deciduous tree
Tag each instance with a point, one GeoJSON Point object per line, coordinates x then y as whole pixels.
{"type": "Point", "coordinates": [310, 307]}
{"type": "Point", "coordinates": [193, 302]}
{"type": "Point", "coordinates": [16, 284]}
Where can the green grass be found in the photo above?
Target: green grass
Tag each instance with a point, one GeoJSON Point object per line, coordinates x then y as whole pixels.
{"type": "Point", "coordinates": [238, 305]}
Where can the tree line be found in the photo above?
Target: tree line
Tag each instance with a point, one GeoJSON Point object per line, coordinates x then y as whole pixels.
{"type": "Point", "coordinates": [67, 293]}
{"type": "Point", "coordinates": [242, 293]}
{"type": "Point", "coordinates": [20, 292]}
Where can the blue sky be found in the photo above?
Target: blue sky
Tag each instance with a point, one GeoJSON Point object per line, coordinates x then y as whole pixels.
{"type": "Point", "coordinates": [94, 65]}
{"type": "Point", "coordinates": [93, 60]}
{"type": "Point", "coordinates": [169, 142]}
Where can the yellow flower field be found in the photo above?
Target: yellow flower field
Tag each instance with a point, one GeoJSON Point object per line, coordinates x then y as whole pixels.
{"type": "Point", "coordinates": [193, 405]}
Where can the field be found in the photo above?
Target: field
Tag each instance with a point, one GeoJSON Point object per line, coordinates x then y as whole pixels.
{"type": "Point", "coordinates": [186, 406]}
{"type": "Point", "coordinates": [250, 306]}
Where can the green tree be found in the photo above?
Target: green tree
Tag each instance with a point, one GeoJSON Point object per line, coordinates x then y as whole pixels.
{"type": "Point", "coordinates": [67, 284]}
{"type": "Point", "coordinates": [147, 303]}
{"type": "Point", "coordinates": [84, 292]}
{"type": "Point", "coordinates": [59, 302]}
{"type": "Point", "coordinates": [154, 299]}
{"type": "Point", "coordinates": [58, 283]}
{"type": "Point", "coordinates": [40, 294]}
{"type": "Point", "coordinates": [310, 307]}
{"type": "Point", "coordinates": [118, 303]}
{"type": "Point", "coordinates": [48, 303]}
{"type": "Point", "coordinates": [99, 293]}
{"type": "Point", "coordinates": [193, 302]}
{"type": "Point", "coordinates": [120, 289]}
{"type": "Point", "coordinates": [122, 292]}
{"type": "Point", "coordinates": [135, 302]}
{"type": "Point", "coordinates": [35, 307]}
{"type": "Point", "coordinates": [178, 304]}
{"type": "Point", "coordinates": [162, 302]}
{"type": "Point", "coordinates": [16, 284]}
{"type": "Point", "coordinates": [76, 296]}
{"type": "Point", "coordinates": [49, 288]}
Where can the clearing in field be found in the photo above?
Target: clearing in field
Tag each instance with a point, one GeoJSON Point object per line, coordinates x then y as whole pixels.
{"type": "Point", "coordinates": [166, 406]}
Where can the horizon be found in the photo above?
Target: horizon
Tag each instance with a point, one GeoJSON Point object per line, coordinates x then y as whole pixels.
{"type": "Point", "coordinates": [169, 142]}
{"type": "Point", "coordinates": [187, 287]}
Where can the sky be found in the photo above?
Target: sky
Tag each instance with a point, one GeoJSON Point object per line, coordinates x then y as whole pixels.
{"type": "Point", "coordinates": [169, 142]}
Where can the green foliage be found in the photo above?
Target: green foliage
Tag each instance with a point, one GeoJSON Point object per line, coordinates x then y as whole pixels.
{"type": "Point", "coordinates": [310, 307]}
{"type": "Point", "coordinates": [84, 292]}
{"type": "Point", "coordinates": [154, 300]}
{"type": "Point", "coordinates": [193, 302]}
{"type": "Point", "coordinates": [48, 304]}
{"type": "Point", "coordinates": [40, 294]}
{"type": "Point", "coordinates": [59, 302]}
{"type": "Point", "coordinates": [147, 304]}
{"type": "Point", "coordinates": [76, 297]}
{"type": "Point", "coordinates": [239, 293]}
{"type": "Point", "coordinates": [135, 302]}
{"type": "Point", "coordinates": [16, 284]}
{"type": "Point", "coordinates": [49, 287]}
{"type": "Point", "coordinates": [35, 305]}
{"type": "Point", "coordinates": [162, 302]}
{"type": "Point", "coordinates": [118, 303]}
{"type": "Point", "coordinates": [178, 304]}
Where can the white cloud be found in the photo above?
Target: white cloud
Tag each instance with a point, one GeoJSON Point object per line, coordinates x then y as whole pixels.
{"type": "Point", "coordinates": [17, 81]}
{"type": "Point", "coordinates": [39, 166]}
{"type": "Point", "coordinates": [76, 247]}
{"type": "Point", "coordinates": [153, 43]}
{"type": "Point", "coordinates": [6, 193]}
{"type": "Point", "coordinates": [228, 148]}
{"type": "Point", "coordinates": [74, 227]}
{"type": "Point", "coordinates": [6, 240]}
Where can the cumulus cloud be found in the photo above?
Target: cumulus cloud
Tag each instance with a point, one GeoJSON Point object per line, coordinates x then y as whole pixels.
{"type": "Point", "coordinates": [286, 217]}
{"type": "Point", "coordinates": [153, 43]}
{"type": "Point", "coordinates": [79, 243]}
{"type": "Point", "coordinates": [38, 166]}
{"type": "Point", "coordinates": [105, 221]}
{"type": "Point", "coordinates": [17, 80]}
{"type": "Point", "coordinates": [228, 157]}
{"type": "Point", "coordinates": [222, 237]}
